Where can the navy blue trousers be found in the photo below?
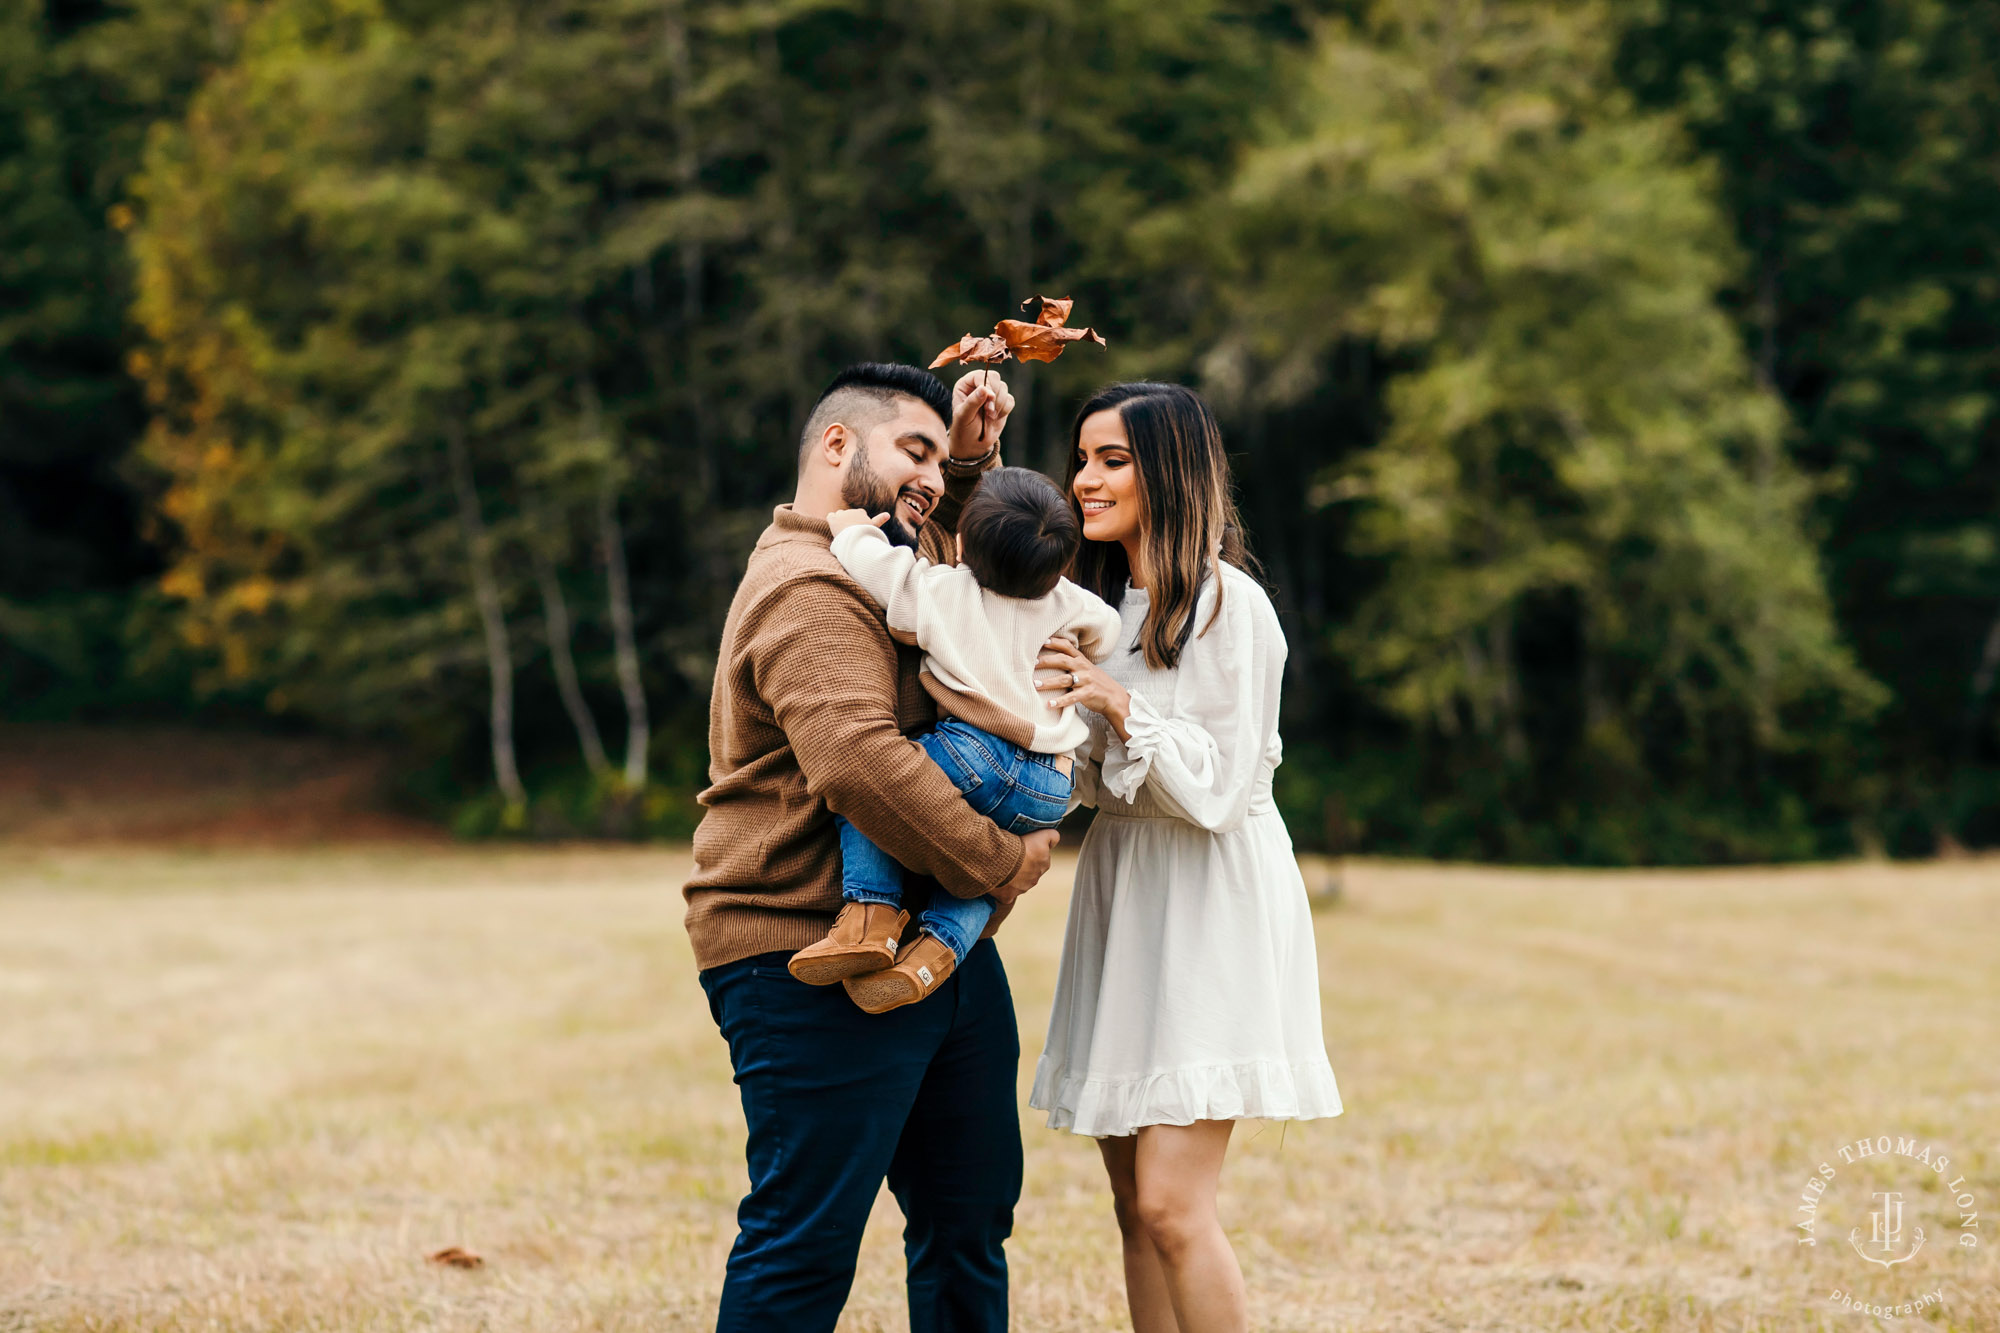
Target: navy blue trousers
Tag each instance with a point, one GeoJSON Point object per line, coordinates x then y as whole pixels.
{"type": "Point", "coordinates": [836, 1100]}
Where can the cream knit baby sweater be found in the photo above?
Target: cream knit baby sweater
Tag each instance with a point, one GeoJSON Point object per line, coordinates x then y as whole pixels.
{"type": "Point", "coordinates": [980, 647]}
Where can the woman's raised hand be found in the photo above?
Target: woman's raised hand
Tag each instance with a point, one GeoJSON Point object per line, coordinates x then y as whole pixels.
{"type": "Point", "coordinates": [1082, 682]}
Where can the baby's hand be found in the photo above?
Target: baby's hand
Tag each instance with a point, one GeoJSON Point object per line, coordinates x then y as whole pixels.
{"type": "Point", "coordinates": [840, 520]}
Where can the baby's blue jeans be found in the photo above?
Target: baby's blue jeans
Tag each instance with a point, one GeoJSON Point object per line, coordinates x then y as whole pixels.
{"type": "Point", "coordinates": [1017, 789]}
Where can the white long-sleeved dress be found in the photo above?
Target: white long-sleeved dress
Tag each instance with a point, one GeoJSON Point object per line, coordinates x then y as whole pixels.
{"type": "Point", "coordinates": [1189, 988]}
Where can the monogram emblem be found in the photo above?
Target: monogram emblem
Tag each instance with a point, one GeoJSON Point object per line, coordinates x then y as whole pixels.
{"type": "Point", "coordinates": [1886, 1234]}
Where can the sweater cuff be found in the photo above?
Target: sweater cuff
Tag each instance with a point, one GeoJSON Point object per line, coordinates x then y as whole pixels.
{"type": "Point", "coordinates": [976, 889]}
{"type": "Point", "coordinates": [972, 467]}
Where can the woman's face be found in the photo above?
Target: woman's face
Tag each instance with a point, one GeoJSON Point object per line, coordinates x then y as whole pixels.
{"type": "Point", "coordinates": [1106, 484]}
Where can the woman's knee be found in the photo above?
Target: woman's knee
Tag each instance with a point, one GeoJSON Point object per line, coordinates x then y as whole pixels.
{"type": "Point", "coordinates": [1173, 1218]}
{"type": "Point", "coordinates": [1118, 1168]}
{"type": "Point", "coordinates": [1125, 1207]}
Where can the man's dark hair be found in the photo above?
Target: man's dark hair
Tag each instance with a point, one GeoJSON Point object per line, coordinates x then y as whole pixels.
{"type": "Point", "coordinates": [1020, 534]}
{"type": "Point", "coordinates": [864, 394]}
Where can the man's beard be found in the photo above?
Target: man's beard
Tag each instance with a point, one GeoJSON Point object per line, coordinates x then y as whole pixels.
{"type": "Point", "coordinates": [862, 489]}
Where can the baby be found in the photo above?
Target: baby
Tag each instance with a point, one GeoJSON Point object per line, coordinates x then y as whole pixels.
{"type": "Point", "coordinates": [981, 624]}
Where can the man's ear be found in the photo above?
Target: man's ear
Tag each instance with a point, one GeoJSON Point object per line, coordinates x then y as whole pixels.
{"type": "Point", "coordinates": [834, 443]}
{"type": "Point", "coordinates": [960, 538]}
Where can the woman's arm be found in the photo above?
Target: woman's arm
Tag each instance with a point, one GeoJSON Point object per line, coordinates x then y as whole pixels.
{"type": "Point", "coordinates": [1203, 748]}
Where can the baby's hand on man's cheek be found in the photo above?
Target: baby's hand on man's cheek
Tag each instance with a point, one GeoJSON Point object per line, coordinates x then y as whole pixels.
{"type": "Point", "coordinates": [840, 520]}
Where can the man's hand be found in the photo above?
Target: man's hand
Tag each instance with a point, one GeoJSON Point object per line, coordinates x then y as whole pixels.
{"type": "Point", "coordinates": [840, 520]}
{"type": "Point", "coordinates": [980, 405]}
{"type": "Point", "coordinates": [1036, 849]}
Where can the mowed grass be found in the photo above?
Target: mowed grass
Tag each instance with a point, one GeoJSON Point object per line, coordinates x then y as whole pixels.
{"type": "Point", "coordinates": [251, 1091]}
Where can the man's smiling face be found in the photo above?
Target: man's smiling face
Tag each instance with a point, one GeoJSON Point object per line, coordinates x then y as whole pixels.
{"type": "Point", "coordinates": [896, 467]}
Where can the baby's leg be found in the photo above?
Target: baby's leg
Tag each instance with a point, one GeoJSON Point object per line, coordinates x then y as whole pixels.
{"type": "Point", "coordinates": [957, 922]}
{"type": "Point", "coordinates": [872, 922]}
{"type": "Point", "coordinates": [867, 873]}
{"type": "Point", "coordinates": [1017, 789]}
{"type": "Point", "coordinates": [1022, 791]}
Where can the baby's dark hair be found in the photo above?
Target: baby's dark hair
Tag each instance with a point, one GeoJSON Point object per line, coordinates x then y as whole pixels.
{"type": "Point", "coordinates": [1020, 534]}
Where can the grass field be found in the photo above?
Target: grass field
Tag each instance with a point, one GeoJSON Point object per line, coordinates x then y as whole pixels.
{"type": "Point", "coordinates": [251, 1090]}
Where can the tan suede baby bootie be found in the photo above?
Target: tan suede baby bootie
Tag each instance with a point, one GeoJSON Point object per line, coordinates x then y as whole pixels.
{"type": "Point", "coordinates": [919, 969]}
{"type": "Point", "coordinates": [863, 939]}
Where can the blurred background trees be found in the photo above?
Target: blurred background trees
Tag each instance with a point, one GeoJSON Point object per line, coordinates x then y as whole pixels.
{"type": "Point", "coordinates": [1611, 384]}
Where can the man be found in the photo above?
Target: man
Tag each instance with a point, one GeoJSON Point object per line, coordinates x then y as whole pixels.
{"type": "Point", "coordinates": [812, 706]}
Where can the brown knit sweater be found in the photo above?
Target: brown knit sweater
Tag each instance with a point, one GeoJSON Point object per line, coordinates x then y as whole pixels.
{"type": "Point", "coordinates": [811, 710]}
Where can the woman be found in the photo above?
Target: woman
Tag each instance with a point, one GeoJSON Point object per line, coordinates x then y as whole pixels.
{"type": "Point", "coordinates": [1188, 996]}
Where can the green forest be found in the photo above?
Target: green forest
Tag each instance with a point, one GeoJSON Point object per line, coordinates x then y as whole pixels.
{"type": "Point", "coordinates": [1611, 386]}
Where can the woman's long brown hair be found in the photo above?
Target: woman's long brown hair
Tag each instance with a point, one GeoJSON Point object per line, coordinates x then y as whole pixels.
{"type": "Point", "coordinates": [1186, 506]}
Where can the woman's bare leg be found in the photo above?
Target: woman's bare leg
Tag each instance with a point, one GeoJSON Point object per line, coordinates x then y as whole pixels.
{"type": "Point", "coordinates": [1176, 1169]}
{"type": "Point", "coordinates": [1145, 1280]}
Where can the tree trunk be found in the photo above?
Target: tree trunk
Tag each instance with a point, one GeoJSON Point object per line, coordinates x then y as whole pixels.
{"type": "Point", "coordinates": [1596, 711]}
{"type": "Point", "coordinates": [1025, 374]}
{"type": "Point", "coordinates": [1499, 631]}
{"type": "Point", "coordinates": [492, 616]}
{"type": "Point", "coordinates": [625, 644]}
{"type": "Point", "coordinates": [1277, 554]}
{"type": "Point", "coordinates": [1478, 692]}
{"type": "Point", "coordinates": [1982, 689]}
{"type": "Point", "coordinates": [687, 179]}
{"type": "Point", "coordinates": [1507, 690]}
{"type": "Point", "coordinates": [555, 615]}
{"type": "Point", "coordinates": [1763, 707]}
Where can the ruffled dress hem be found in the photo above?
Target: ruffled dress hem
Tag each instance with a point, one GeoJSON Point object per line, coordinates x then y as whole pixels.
{"type": "Point", "coordinates": [1112, 1108]}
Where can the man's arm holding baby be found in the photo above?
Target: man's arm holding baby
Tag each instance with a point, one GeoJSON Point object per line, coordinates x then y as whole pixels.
{"type": "Point", "coordinates": [828, 672]}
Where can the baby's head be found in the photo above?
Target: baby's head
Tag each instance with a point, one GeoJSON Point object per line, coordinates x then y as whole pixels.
{"type": "Point", "coordinates": [1017, 534]}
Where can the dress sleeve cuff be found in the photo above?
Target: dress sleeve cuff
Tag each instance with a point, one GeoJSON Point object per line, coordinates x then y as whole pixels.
{"type": "Point", "coordinates": [1126, 762]}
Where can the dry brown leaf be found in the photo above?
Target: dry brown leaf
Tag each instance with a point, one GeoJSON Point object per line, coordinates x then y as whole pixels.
{"type": "Point", "coordinates": [1040, 342]}
{"type": "Point", "coordinates": [1043, 340]}
{"type": "Point", "coordinates": [453, 1257]}
{"type": "Point", "coordinates": [973, 349]}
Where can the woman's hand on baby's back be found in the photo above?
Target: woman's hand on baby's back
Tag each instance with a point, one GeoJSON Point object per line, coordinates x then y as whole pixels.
{"type": "Point", "coordinates": [1065, 676]}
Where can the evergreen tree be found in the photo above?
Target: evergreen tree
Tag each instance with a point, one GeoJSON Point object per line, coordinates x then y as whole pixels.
{"type": "Point", "coordinates": [1594, 575]}
{"type": "Point", "coordinates": [79, 85]}
{"type": "Point", "coordinates": [618, 248]}
{"type": "Point", "coordinates": [1859, 151]}
{"type": "Point", "coordinates": [65, 409]}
